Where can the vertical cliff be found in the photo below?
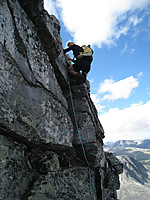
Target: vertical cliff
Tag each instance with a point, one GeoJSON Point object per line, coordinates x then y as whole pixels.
{"type": "Point", "coordinates": [42, 156]}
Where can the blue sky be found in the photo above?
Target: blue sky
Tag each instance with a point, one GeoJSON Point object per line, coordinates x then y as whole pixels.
{"type": "Point", "coordinates": [119, 32]}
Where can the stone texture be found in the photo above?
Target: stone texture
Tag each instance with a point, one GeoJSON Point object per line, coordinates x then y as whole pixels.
{"type": "Point", "coordinates": [109, 170]}
{"type": "Point", "coordinates": [15, 169]}
{"type": "Point", "coordinates": [23, 43]}
{"type": "Point", "coordinates": [70, 184]}
{"type": "Point", "coordinates": [89, 130]}
{"type": "Point", "coordinates": [48, 27]}
{"type": "Point", "coordinates": [41, 146]}
{"type": "Point", "coordinates": [30, 111]}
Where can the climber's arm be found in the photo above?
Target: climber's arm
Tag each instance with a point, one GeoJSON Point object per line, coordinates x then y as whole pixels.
{"type": "Point", "coordinates": [66, 50]}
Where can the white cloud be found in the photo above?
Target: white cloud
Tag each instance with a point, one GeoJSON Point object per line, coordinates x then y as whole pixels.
{"type": "Point", "coordinates": [127, 124]}
{"type": "Point", "coordinates": [119, 89]}
{"type": "Point", "coordinates": [96, 101]}
{"type": "Point", "coordinates": [97, 21]}
{"type": "Point", "coordinates": [134, 20]}
{"type": "Point", "coordinates": [49, 5]}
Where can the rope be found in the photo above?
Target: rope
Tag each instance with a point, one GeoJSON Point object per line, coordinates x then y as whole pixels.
{"type": "Point", "coordinates": [83, 149]}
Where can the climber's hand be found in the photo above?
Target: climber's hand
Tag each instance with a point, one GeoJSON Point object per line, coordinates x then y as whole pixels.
{"type": "Point", "coordinates": [69, 58]}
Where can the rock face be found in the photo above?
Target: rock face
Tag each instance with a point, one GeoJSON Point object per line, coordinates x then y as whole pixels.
{"type": "Point", "coordinates": [43, 154]}
{"type": "Point", "coordinates": [144, 144]}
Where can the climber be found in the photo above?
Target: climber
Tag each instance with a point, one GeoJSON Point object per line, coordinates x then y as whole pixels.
{"type": "Point", "coordinates": [82, 61]}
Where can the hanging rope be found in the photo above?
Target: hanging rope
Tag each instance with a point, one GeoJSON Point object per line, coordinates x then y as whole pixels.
{"type": "Point", "coordinates": [83, 149]}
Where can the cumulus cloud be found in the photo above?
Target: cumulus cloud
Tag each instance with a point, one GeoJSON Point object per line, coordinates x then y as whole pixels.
{"type": "Point", "coordinates": [99, 21]}
{"type": "Point", "coordinates": [114, 90]}
{"type": "Point", "coordinates": [129, 123]}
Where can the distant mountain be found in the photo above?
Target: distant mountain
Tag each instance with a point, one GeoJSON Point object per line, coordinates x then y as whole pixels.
{"type": "Point", "coordinates": [108, 144]}
{"type": "Point", "coordinates": [144, 144]}
{"type": "Point", "coordinates": [135, 180]}
{"type": "Point", "coordinates": [134, 169]}
{"type": "Point", "coordinates": [142, 155]}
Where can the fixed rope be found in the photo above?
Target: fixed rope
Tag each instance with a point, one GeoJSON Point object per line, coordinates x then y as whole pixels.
{"type": "Point", "coordinates": [83, 149]}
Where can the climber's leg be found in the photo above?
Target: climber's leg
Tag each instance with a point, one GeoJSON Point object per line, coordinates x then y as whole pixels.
{"type": "Point", "coordinates": [72, 70]}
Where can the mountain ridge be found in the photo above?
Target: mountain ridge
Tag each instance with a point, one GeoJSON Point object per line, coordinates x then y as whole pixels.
{"type": "Point", "coordinates": [135, 180]}
{"type": "Point", "coordinates": [144, 144]}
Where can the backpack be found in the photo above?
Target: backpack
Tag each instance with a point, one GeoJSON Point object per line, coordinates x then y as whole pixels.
{"type": "Point", "coordinates": [87, 51]}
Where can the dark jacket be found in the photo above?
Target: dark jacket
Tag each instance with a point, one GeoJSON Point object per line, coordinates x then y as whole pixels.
{"type": "Point", "coordinates": [76, 51]}
{"type": "Point", "coordinates": [75, 48]}
{"type": "Point", "coordinates": [83, 63]}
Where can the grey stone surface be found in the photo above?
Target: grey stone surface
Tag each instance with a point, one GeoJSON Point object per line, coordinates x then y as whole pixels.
{"type": "Point", "coordinates": [16, 173]}
{"type": "Point", "coordinates": [20, 38]}
{"type": "Point", "coordinates": [68, 184]}
{"type": "Point", "coordinates": [31, 112]}
{"type": "Point", "coordinates": [47, 26]}
{"type": "Point", "coordinates": [110, 168]}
